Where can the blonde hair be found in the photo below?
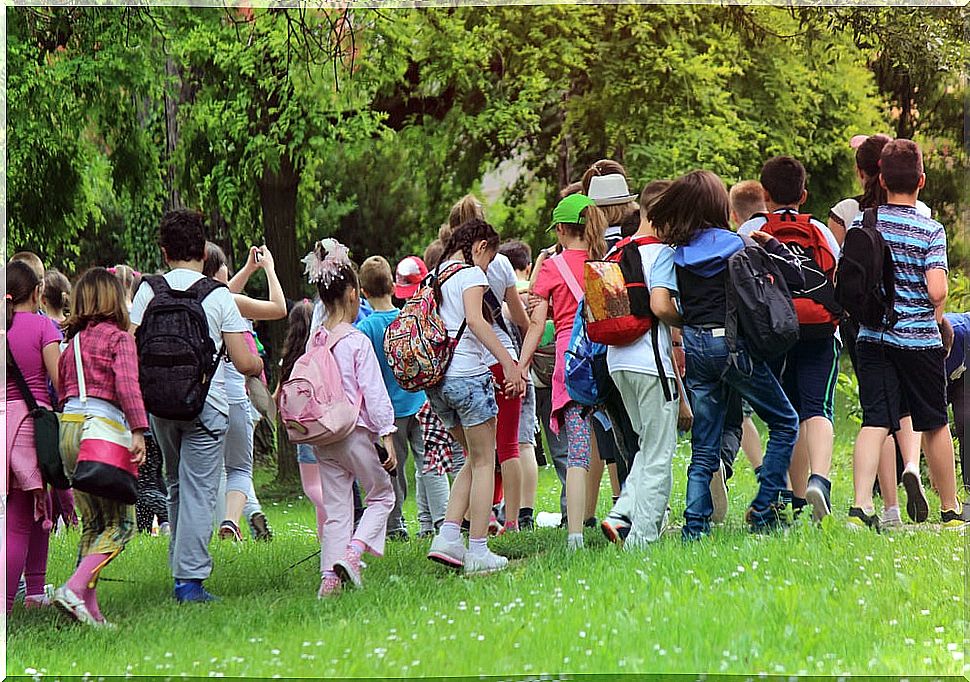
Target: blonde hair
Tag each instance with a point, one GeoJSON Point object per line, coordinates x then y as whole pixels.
{"type": "Point", "coordinates": [31, 259]}
{"type": "Point", "coordinates": [747, 198]}
{"type": "Point", "coordinates": [592, 231]}
{"type": "Point", "coordinates": [468, 207]}
{"type": "Point", "coordinates": [98, 297]}
{"type": "Point", "coordinates": [375, 277]}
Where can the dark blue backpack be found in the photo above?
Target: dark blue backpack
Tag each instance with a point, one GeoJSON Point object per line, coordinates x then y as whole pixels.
{"type": "Point", "coordinates": [587, 376]}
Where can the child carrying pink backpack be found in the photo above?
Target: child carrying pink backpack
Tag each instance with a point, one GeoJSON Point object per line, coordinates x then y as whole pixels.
{"type": "Point", "coordinates": [335, 400]}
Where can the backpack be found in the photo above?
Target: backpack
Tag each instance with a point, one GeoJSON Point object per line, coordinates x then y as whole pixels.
{"type": "Point", "coordinates": [759, 304]}
{"type": "Point", "coordinates": [865, 284]}
{"type": "Point", "coordinates": [587, 376]}
{"type": "Point", "coordinates": [177, 357]}
{"type": "Point", "coordinates": [815, 304]}
{"type": "Point", "coordinates": [313, 406]}
{"type": "Point", "coordinates": [617, 298]}
{"type": "Point", "coordinates": [416, 343]}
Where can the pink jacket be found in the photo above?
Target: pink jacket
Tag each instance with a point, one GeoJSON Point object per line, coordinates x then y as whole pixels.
{"type": "Point", "coordinates": [360, 374]}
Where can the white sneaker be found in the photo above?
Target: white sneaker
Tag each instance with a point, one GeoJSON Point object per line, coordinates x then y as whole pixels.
{"type": "Point", "coordinates": [719, 496]}
{"type": "Point", "coordinates": [73, 606]}
{"type": "Point", "coordinates": [489, 563]}
{"type": "Point", "coordinates": [450, 554]}
{"type": "Point", "coordinates": [891, 519]}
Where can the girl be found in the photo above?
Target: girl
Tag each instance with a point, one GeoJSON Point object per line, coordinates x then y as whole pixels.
{"type": "Point", "coordinates": [465, 400]}
{"type": "Point", "coordinates": [56, 296]}
{"type": "Point", "coordinates": [239, 439]}
{"type": "Point", "coordinates": [297, 335]}
{"type": "Point", "coordinates": [692, 216]}
{"type": "Point", "coordinates": [356, 456]}
{"type": "Point", "coordinates": [502, 290]}
{"type": "Point", "coordinates": [579, 228]}
{"type": "Point", "coordinates": [98, 326]}
{"type": "Point", "coordinates": [32, 345]}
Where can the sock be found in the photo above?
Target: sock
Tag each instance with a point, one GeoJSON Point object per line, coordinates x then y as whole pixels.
{"type": "Point", "coordinates": [357, 547]}
{"type": "Point", "coordinates": [91, 602]}
{"type": "Point", "coordinates": [574, 541]}
{"type": "Point", "coordinates": [85, 573]}
{"type": "Point", "coordinates": [477, 547]}
{"type": "Point", "coordinates": [450, 531]}
{"type": "Point", "coordinates": [512, 525]}
{"type": "Point", "coordinates": [329, 574]}
{"type": "Point", "coordinates": [868, 511]}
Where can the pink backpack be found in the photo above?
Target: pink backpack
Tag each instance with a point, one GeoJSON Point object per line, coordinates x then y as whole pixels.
{"type": "Point", "coordinates": [417, 343]}
{"type": "Point", "coordinates": [314, 408]}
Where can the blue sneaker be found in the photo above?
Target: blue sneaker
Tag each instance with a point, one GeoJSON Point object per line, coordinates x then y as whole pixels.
{"type": "Point", "coordinates": [189, 591]}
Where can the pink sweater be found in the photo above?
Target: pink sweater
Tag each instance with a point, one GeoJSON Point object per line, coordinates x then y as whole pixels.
{"type": "Point", "coordinates": [361, 373]}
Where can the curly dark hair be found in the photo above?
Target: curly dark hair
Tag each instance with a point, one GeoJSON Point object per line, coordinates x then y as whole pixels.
{"type": "Point", "coordinates": [182, 235]}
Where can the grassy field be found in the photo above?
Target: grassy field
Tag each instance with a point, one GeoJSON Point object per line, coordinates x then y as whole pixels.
{"type": "Point", "coordinates": [814, 601]}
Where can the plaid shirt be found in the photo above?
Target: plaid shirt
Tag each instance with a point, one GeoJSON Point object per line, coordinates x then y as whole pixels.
{"type": "Point", "coordinates": [110, 371]}
{"type": "Point", "coordinates": [442, 453]}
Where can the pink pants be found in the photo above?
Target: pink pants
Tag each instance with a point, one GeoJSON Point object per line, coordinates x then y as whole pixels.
{"type": "Point", "coordinates": [27, 541]}
{"type": "Point", "coordinates": [340, 464]}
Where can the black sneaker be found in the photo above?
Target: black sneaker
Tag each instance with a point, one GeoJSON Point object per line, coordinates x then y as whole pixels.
{"type": "Point", "coordinates": [591, 522]}
{"type": "Point", "coordinates": [955, 518]}
{"type": "Point", "coordinates": [526, 520]}
{"type": "Point", "coordinates": [917, 507]}
{"type": "Point", "coordinates": [616, 528]}
{"type": "Point", "coordinates": [260, 527]}
{"type": "Point", "coordinates": [771, 519]}
{"type": "Point", "coordinates": [398, 535]}
{"type": "Point", "coordinates": [859, 519]}
{"type": "Point", "coordinates": [797, 505]}
{"type": "Point", "coordinates": [229, 531]}
{"type": "Point", "coordinates": [817, 494]}
{"type": "Point", "coordinates": [466, 526]}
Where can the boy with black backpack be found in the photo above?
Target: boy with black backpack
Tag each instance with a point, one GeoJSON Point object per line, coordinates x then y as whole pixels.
{"type": "Point", "coordinates": [183, 323]}
{"type": "Point", "coordinates": [808, 371]}
{"type": "Point", "coordinates": [899, 307]}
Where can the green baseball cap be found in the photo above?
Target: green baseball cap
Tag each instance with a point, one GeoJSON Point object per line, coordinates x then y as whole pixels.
{"type": "Point", "coordinates": [569, 210]}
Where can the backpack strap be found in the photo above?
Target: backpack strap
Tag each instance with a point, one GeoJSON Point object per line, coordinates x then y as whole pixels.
{"type": "Point", "coordinates": [157, 283]}
{"type": "Point", "coordinates": [205, 286]}
{"type": "Point", "coordinates": [568, 277]}
{"type": "Point", "coordinates": [655, 341]}
{"type": "Point", "coordinates": [21, 382]}
{"type": "Point", "coordinates": [439, 281]}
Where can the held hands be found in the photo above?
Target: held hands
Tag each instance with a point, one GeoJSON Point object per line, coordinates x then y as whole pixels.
{"type": "Point", "coordinates": [514, 380]}
{"type": "Point", "coordinates": [137, 448]}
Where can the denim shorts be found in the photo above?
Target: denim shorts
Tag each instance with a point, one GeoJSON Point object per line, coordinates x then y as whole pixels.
{"type": "Point", "coordinates": [304, 454]}
{"type": "Point", "coordinates": [464, 401]}
{"type": "Point", "coordinates": [527, 418]}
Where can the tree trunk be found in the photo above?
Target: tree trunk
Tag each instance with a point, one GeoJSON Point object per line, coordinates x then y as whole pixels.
{"type": "Point", "coordinates": [277, 195]}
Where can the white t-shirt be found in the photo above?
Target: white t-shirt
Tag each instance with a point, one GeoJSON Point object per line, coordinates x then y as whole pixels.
{"type": "Point", "coordinates": [501, 276]}
{"type": "Point", "coordinates": [220, 310]}
{"type": "Point", "coordinates": [658, 271]}
{"type": "Point", "coordinates": [847, 209]}
{"type": "Point", "coordinates": [468, 359]}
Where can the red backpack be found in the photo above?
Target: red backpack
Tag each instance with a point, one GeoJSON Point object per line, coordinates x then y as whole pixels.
{"type": "Point", "coordinates": [815, 304]}
{"type": "Point", "coordinates": [617, 298]}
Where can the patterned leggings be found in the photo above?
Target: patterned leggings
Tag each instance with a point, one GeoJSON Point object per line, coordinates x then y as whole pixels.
{"type": "Point", "coordinates": [152, 495]}
{"type": "Point", "coordinates": [578, 435]}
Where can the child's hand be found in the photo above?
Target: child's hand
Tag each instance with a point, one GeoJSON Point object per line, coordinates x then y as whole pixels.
{"type": "Point", "coordinates": [685, 419]}
{"type": "Point", "coordinates": [760, 237]}
{"type": "Point", "coordinates": [514, 380]}
{"type": "Point", "coordinates": [680, 360]}
{"type": "Point", "coordinates": [137, 448]}
{"type": "Point", "coordinates": [391, 462]}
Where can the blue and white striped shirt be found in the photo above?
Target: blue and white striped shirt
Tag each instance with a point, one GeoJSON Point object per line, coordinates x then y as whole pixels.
{"type": "Point", "coordinates": [918, 244]}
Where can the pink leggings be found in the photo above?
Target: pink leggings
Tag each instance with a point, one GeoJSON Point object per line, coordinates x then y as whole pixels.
{"type": "Point", "coordinates": [310, 478]}
{"type": "Point", "coordinates": [27, 541]}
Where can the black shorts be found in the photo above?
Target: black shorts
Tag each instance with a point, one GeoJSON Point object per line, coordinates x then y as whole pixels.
{"type": "Point", "coordinates": [894, 382]}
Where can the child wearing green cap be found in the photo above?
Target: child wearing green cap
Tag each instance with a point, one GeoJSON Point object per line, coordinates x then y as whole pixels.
{"type": "Point", "coordinates": [579, 226]}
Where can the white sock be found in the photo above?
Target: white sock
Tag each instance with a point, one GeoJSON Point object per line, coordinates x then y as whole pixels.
{"type": "Point", "coordinates": [450, 531]}
{"type": "Point", "coordinates": [574, 541]}
{"type": "Point", "coordinates": [478, 547]}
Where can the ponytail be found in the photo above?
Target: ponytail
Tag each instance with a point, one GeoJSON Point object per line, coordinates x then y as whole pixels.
{"type": "Point", "coordinates": [467, 208]}
{"type": "Point", "coordinates": [867, 160]}
{"type": "Point", "coordinates": [594, 232]}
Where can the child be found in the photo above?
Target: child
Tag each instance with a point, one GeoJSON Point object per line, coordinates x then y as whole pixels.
{"type": "Point", "coordinates": [903, 367]}
{"type": "Point", "coordinates": [956, 337]}
{"type": "Point", "coordinates": [356, 456]}
{"type": "Point", "coordinates": [432, 488]}
{"type": "Point", "coordinates": [638, 515]}
{"type": "Point", "coordinates": [32, 344]}
{"type": "Point", "coordinates": [579, 227]}
{"type": "Point", "coordinates": [193, 448]}
{"type": "Point", "coordinates": [692, 215]}
{"type": "Point", "coordinates": [104, 387]}
{"type": "Point", "coordinates": [56, 298]}
{"type": "Point", "coordinates": [465, 400]}
{"type": "Point", "coordinates": [809, 370]}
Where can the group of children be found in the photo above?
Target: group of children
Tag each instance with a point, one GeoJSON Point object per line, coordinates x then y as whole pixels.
{"type": "Point", "coordinates": [473, 434]}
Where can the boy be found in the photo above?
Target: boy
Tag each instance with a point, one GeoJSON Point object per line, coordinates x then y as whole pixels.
{"type": "Point", "coordinates": [193, 450]}
{"type": "Point", "coordinates": [637, 517]}
{"type": "Point", "coordinates": [808, 372]}
{"type": "Point", "coordinates": [956, 337]}
{"type": "Point", "coordinates": [902, 368]}
{"type": "Point", "coordinates": [432, 488]}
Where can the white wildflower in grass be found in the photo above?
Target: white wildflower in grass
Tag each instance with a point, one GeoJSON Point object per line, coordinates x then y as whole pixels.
{"type": "Point", "coordinates": [30, 671]}
{"type": "Point", "coordinates": [924, 612]}
{"type": "Point", "coordinates": [909, 641]}
{"type": "Point", "coordinates": [939, 628]}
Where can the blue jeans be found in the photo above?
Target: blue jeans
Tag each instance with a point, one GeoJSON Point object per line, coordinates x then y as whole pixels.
{"type": "Point", "coordinates": [711, 374]}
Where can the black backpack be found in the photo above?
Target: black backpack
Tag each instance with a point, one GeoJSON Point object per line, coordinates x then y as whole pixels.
{"type": "Point", "coordinates": [759, 304]}
{"type": "Point", "coordinates": [176, 355]}
{"type": "Point", "coordinates": [864, 282]}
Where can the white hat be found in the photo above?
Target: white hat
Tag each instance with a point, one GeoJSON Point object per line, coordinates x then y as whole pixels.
{"type": "Point", "coordinates": [609, 190]}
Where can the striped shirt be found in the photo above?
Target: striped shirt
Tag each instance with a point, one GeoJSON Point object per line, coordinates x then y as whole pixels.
{"type": "Point", "coordinates": [918, 244]}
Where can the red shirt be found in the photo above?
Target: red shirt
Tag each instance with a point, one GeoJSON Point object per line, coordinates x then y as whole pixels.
{"type": "Point", "coordinates": [549, 285]}
{"type": "Point", "coordinates": [110, 362]}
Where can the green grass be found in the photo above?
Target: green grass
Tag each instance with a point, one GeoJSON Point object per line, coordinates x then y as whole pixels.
{"type": "Point", "coordinates": [815, 601]}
